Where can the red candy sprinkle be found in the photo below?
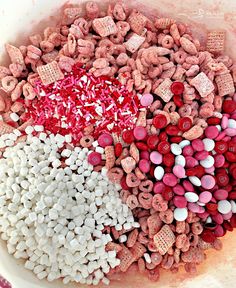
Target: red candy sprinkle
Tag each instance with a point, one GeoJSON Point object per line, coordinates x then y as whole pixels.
{"type": "Point", "coordinates": [94, 158]}
{"type": "Point", "coordinates": [159, 121]}
{"type": "Point", "coordinates": [185, 124]}
{"type": "Point", "coordinates": [177, 88]}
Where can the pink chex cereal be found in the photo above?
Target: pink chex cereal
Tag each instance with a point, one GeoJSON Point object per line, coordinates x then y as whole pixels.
{"type": "Point", "coordinates": [216, 41]}
{"type": "Point", "coordinates": [50, 73]}
{"type": "Point", "coordinates": [5, 128]}
{"type": "Point", "coordinates": [203, 84]}
{"type": "Point", "coordinates": [105, 26]}
{"type": "Point", "coordinates": [225, 84]}
{"type": "Point", "coordinates": [164, 239]}
{"type": "Point", "coordinates": [134, 42]}
{"type": "Point", "coordinates": [137, 21]}
{"type": "Point", "coordinates": [163, 90]}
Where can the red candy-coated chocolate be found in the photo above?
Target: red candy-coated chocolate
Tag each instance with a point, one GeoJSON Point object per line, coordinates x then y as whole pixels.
{"type": "Point", "coordinates": [94, 158]}
{"type": "Point", "coordinates": [163, 147]}
{"type": "Point", "coordinates": [185, 124]}
{"type": "Point", "coordinates": [169, 159]}
{"type": "Point", "coordinates": [227, 226]}
{"type": "Point", "coordinates": [222, 179]}
{"type": "Point", "coordinates": [229, 106]}
{"type": "Point", "coordinates": [159, 121]}
{"type": "Point", "coordinates": [232, 195]}
{"type": "Point", "coordinates": [151, 172]}
{"type": "Point", "coordinates": [163, 136]}
{"type": "Point", "coordinates": [232, 147]}
{"type": "Point", "coordinates": [141, 146]}
{"type": "Point", "coordinates": [233, 173]}
{"type": "Point", "coordinates": [211, 206]}
{"type": "Point", "coordinates": [123, 183]}
{"type": "Point", "coordinates": [167, 193]}
{"type": "Point", "coordinates": [233, 221]}
{"type": "Point", "coordinates": [180, 201]}
{"type": "Point", "coordinates": [152, 141]}
{"type": "Point", "coordinates": [230, 156]}
{"type": "Point", "coordinates": [118, 149]}
{"type": "Point", "coordinates": [190, 172]}
{"type": "Point", "coordinates": [128, 136]}
{"type": "Point", "coordinates": [172, 130]}
{"type": "Point", "coordinates": [178, 100]}
{"type": "Point", "coordinates": [208, 236]}
{"type": "Point", "coordinates": [176, 139]}
{"type": "Point", "coordinates": [199, 171]}
{"type": "Point", "coordinates": [213, 121]}
{"type": "Point", "coordinates": [177, 88]}
{"type": "Point", "coordinates": [221, 147]}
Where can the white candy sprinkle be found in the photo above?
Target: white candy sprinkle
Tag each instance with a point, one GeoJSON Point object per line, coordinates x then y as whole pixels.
{"type": "Point", "coordinates": [14, 117]}
{"type": "Point", "coordinates": [147, 258]}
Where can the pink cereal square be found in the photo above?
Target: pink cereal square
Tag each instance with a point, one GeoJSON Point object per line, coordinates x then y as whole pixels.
{"type": "Point", "coordinates": [225, 84]}
{"type": "Point", "coordinates": [5, 128]}
{"type": "Point", "coordinates": [50, 73]}
{"type": "Point", "coordinates": [137, 22]}
{"type": "Point", "coordinates": [105, 26]}
{"type": "Point", "coordinates": [164, 239]}
{"type": "Point", "coordinates": [134, 42]}
{"type": "Point", "coordinates": [203, 84]}
{"type": "Point", "coordinates": [163, 90]}
{"type": "Point", "coordinates": [216, 41]}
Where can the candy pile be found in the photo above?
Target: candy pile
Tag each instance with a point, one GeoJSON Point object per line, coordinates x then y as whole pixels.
{"type": "Point", "coordinates": [118, 146]}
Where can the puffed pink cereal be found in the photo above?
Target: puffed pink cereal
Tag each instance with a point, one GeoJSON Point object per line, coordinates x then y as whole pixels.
{"type": "Point", "coordinates": [164, 91]}
{"type": "Point", "coordinates": [216, 41]}
{"type": "Point", "coordinates": [104, 26]}
{"type": "Point", "coordinates": [225, 84]}
{"type": "Point", "coordinates": [50, 73]}
{"type": "Point", "coordinates": [203, 84]}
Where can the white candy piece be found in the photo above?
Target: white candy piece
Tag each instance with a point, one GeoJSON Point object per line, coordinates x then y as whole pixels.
{"type": "Point", "coordinates": [195, 180]}
{"type": "Point", "coordinates": [14, 117]}
{"type": "Point", "coordinates": [232, 123]}
{"type": "Point", "coordinates": [191, 197]}
{"type": "Point", "coordinates": [180, 160]}
{"type": "Point", "coordinates": [224, 206]}
{"type": "Point", "coordinates": [180, 214]}
{"type": "Point", "coordinates": [208, 162]}
{"type": "Point", "coordinates": [233, 206]}
{"type": "Point", "coordinates": [176, 149]}
{"type": "Point", "coordinates": [159, 172]}
{"type": "Point", "coordinates": [209, 144]}
{"type": "Point", "coordinates": [184, 143]}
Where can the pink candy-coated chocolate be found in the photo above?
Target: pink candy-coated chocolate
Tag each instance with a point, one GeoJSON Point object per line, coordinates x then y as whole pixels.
{"type": "Point", "coordinates": [220, 136]}
{"type": "Point", "coordinates": [144, 165]}
{"type": "Point", "coordinates": [178, 190]}
{"type": "Point", "coordinates": [140, 133]}
{"type": "Point", "coordinates": [219, 231]}
{"type": "Point", "coordinates": [201, 210]}
{"type": "Point", "coordinates": [205, 197]}
{"type": "Point", "coordinates": [197, 145]}
{"type": "Point", "coordinates": [201, 155]}
{"type": "Point", "coordinates": [146, 100]}
{"type": "Point", "coordinates": [158, 187]}
{"type": "Point", "coordinates": [180, 201]}
{"type": "Point", "coordinates": [218, 218]}
{"type": "Point", "coordinates": [227, 216]}
{"type": "Point", "coordinates": [193, 207]}
{"type": "Point", "coordinates": [188, 151]}
{"type": "Point", "coordinates": [170, 179]}
{"type": "Point", "coordinates": [219, 160]}
{"type": "Point", "coordinates": [224, 122]}
{"type": "Point", "coordinates": [211, 132]}
{"type": "Point", "coordinates": [179, 171]}
{"type": "Point", "coordinates": [208, 181]}
{"type": "Point", "coordinates": [105, 139]}
{"type": "Point", "coordinates": [190, 162]}
{"type": "Point", "coordinates": [221, 194]}
{"type": "Point", "coordinates": [210, 170]}
{"type": "Point", "coordinates": [203, 215]}
{"type": "Point", "coordinates": [145, 155]}
{"type": "Point", "coordinates": [156, 157]}
{"type": "Point", "coordinates": [188, 186]}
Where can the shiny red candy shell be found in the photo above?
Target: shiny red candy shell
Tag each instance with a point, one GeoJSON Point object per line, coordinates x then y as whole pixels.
{"type": "Point", "coordinates": [123, 183]}
{"type": "Point", "coordinates": [229, 106]}
{"type": "Point", "coordinates": [222, 179]}
{"type": "Point", "coordinates": [159, 121]}
{"type": "Point", "coordinates": [128, 136]}
{"type": "Point", "coordinates": [163, 147]}
{"type": "Point", "coordinates": [185, 124]}
{"type": "Point", "coordinates": [167, 193]}
{"type": "Point", "coordinates": [221, 147]}
{"type": "Point", "coordinates": [172, 130]}
{"type": "Point", "coordinates": [118, 149]}
{"type": "Point", "coordinates": [163, 136]}
{"type": "Point", "coordinates": [199, 171]}
{"type": "Point", "coordinates": [213, 121]}
{"type": "Point", "coordinates": [232, 195]}
{"type": "Point", "coordinates": [233, 173]}
{"type": "Point", "coordinates": [177, 88]}
{"type": "Point", "coordinates": [230, 156]}
{"type": "Point", "coordinates": [233, 221]}
{"type": "Point", "coordinates": [176, 139]}
{"type": "Point", "coordinates": [152, 141]}
{"type": "Point", "coordinates": [227, 226]}
{"type": "Point", "coordinates": [208, 236]}
{"type": "Point", "coordinates": [169, 159]}
{"type": "Point", "coordinates": [141, 146]}
{"type": "Point", "coordinates": [211, 206]}
{"type": "Point", "coordinates": [178, 100]}
{"type": "Point", "coordinates": [232, 147]}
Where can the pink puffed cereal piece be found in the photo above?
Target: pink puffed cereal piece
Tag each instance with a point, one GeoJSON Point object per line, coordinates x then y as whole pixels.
{"type": "Point", "coordinates": [137, 21]}
{"type": "Point", "coordinates": [216, 41]}
{"type": "Point", "coordinates": [94, 158]}
{"type": "Point", "coordinates": [128, 164]}
{"type": "Point", "coordinates": [164, 91]}
{"type": "Point", "coordinates": [203, 84]}
{"type": "Point", "coordinates": [197, 145]}
{"type": "Point", "coordinates": [208, 182]}
{"type": "Point", "coordinates": [50, 73]}
{"type": "Point", "coordinates": [170, 179]}
{"type": "Point", "coordinates": [179, 171]}
{"type": "Point", "coordinates": [225, 84]}
{"type": "Point", "coordinates": [105, 26]}
{"type": "Point", "coordinates": [140, 133]}
{"type": "Point", "coordinates": [211, 132]}
{"type": "Point", "coordinates": [105, 139]}
{"type": "Point", "coordinates": [164, 239]}
{"type": "Point", "coordinates": [15, 55]}
{"type": "Point", "coordinates": [134, 42]}
{"type": "Point", "coordinates": [205, 197]}
{"type": "Point", "coordinates": [188, 46]}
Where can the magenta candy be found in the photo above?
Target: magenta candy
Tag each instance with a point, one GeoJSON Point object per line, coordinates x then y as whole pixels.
{"type": "Point", "coordinates": [188, 186]}
{"type": "Point", "coordinates": [218, 218]}
{"type": "Point", "coordinates": [178, 190]}
{"type": "Point", "coordinates": [193, 207]}
{"type": "Point", "coordinates": [219, 160]}
{"type": "Point", "coordinates": [230, 132]}
{"type": "Point", "coordinates": [226, 138]}
{"type": "Point", "coordinates": [203, 215]}
{"type": "Point", "coordinates": [158, 187]}
{"type": "Point", "coordinates": [187, 151]}
{"type": "Point", "coordinates": [94, 158]}
{"type": "Point", "coordinates": [227, 216]}
{"type": "Point", "coordinates": [105, 139]}
{"type": "Point", "coordinates": [144, 165]}
{"type": "Point", "coordinates": [170, 179]}
{"type": "Point", "coordinates": [201, 155]}
{"type": "Point", "coordinates": [220, 136]}
{"type": "Point", "coordinates": [210, 170]}
{"type": "Point", "coordinates": [224, 122]}
{"type": "Point", "coordinates": [140, 133]}
{"type": "Point", "coordinates": [208, 182]}
{"type": "Point", "coordinates": [156, 157]}
{"type": "Point", "coordinates": [219, 231]}
{"type": "Point", "coordinates": [201, 210]}
{"type": "Point", "coordinates": [221, 194]}
{"type": "Point", "coordinates": [205, 197]}
{"type": "Point", "coordinates": [211, 132]}
{"type": "Point", "coordinates": [179, 171]}
{"type": "Point", "coordinates": [197, 145]}
{"type": "Point", "coordinates": [145, 155]}
{"type": "Point", "coordinates": [190, 162]}
{"type": "Point", "coordinates": [146, 100]}
{"type": "Point", "coordinates": [180, 201]}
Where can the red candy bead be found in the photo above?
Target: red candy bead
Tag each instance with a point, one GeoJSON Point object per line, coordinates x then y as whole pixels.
{"type": "Point", "coordinates": [118, 149]}
{"type": "Point", "coordinates": [163, 147]}
{"type": "Point", "coordinates": [172, 130]}
{"type": "Point", "coordinates": [163, 136]}
{"type": "Point", "coordinates": [168, 159]}
{"type": "Point", "coordinates": [208, 236]}
{"type": "Point", "coordinates": [178, 101]}
{"type": "Point", "coordinates": [213, 121]}
{"type": "Point", "coordinates": [141, 146]}
{"type": "Point", "coordinates": [222, 179]}
{"type": "Point", "coordinates": [128, 136]}
{"type": "Point", "coordinates": [159, 121]}
{"type": "Point", "coordinates": [152, 141]}
{"type": "Point", "coordinates": [233, 173]}
{"type": "Point", "coordinates": [177, 88]}
{"type": "Point", "coordinates": [185, 124]}
{"type": "Point", "coordinates": [230, 156]}
{"type": "Point", "coordinates": [176, 139]}
{"type": "Point", "coordinates": [221, 147]}
{"type": "Point", "coordinates": [229, 106]}
{"type": "Point", "coordinates": [123, 183]}
{"type": "Point", "coordinates": [232, 147]}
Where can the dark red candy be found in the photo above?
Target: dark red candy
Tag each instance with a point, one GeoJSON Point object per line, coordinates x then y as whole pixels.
{"type": "Point", "coordinates": [190, 172]}
{"type": "Point", "coordinates": [199, 171]}
{"type": "Point", "coordinates": [168, 159]}
{"type": "Point", "coordinates": [211, 206]}
{"type": "Point", "coordinates": [213, 121]}
{"type": "Point", "coordinates": [233, 173]}
{"type": "Point", "coordinates": [167, 194]}
{"type": "Point", "coordinates": [128, 136]}
{"type": "Point", "coordinates": [118, 149]}
{"type": "Point", "coordinates": [232, 146]}
{"type": "Point", "coordinates": [227, 226]}
{"type": "Point", "coordinates": [176, 139]}
{"type": "Point", "coordinates": [233, 221]}
{"type": "Point", "coordinates": [232, 195]}
{"type": "Point", "coordinates": [229, 106]}
{"type": "Point", "coordinates": [210, 226]}
{"type": "Point", "coordinates": [222, 179]}
{"type": "Point", "coordinates": [185, 124]}
{"type": "Point", "coordinates": [228, 188]}
{"type": "Point", "coordinates": [208, 236]}
{"type": "Point", "coordinates": [178, 101]}
{"type": "Point", "coordinates": [163, 136]}
{"type": "Point", "coordinates": [168, 170]}
{"type": "Point", "coordinates": [177, 88]}
{"type": "Point", "coordinates": [152, 141]}
{"type": "Point", "coordinates": [232, 167]}
{"type": "Point", "coordinates": [151, 172]}
{"type": "Point", "coordinates": [163, 147]}
{"type": "Point", "coordinates": [159, 121]}
{"type": "Point", "coordinates": [141, 146]}
{"type": "Point", "coordinates": [221, 147]}
{"type": "Point", "coordinates": [230, 156]}
{"type": "Point", "coordinates": [172, 130]}
{"type": "Point", "coordinates": [123, 183]}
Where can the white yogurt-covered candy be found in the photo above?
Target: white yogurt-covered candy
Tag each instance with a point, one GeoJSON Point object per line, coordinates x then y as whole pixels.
{"type": "Point", "coordinates": [224, 206]}
{"type": "Point", "coordinates": [180, 214]}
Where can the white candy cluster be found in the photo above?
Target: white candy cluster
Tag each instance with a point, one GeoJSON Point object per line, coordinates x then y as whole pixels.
{"type": "Point", "coordinates": [53, 217]}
